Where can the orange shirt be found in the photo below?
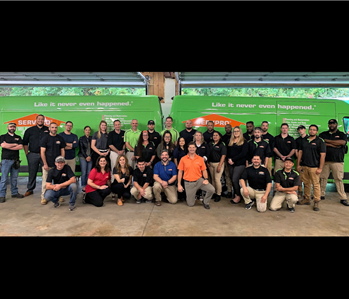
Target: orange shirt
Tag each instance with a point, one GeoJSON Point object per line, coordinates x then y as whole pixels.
{"type": "Point", "coordinates": [192, 167]}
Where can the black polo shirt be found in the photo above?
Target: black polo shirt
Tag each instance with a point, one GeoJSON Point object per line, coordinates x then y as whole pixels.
{"type": "Point", "coordinates": [216, 152]}
{"type": "Point", "coordinates": [247, 136]}
{"type": "Point", "coordinates": [208, 137]}
{"type": "Point", "coordinates": [202, 150]}
{"type": "Point", "coordinates": [287, 179]}
{"type": "Point", "coordinates": [334, 154]}
{"type": "Point", "coordinates": [226, 138]}
{"type": "Point", "coordinates": [143, 177]}
{"type": "Point", "coordinates": [7, 154]}
{"type": "Point", "coordinates": [298, 145]}
{"type": "Point", "coordinates": [155, 137]}
{"type": "Point", "coordinates": [188, 136]}
{"type": "Point", "coordinates": [56, 176]}
{"type": "Point", "coordinates": [147, 151]}
{"type": "Point", "coordinates": [257, 178]}
{"type": "Point", "coordinates": [116, 139]}
{"type": "Point", "coordinates": [311, 151]}
{"type": "Point", "coordinates": [33, 136]}
{"type": "Point", "coordinates": [271, 140]}
{"type": "Point", "coordinates": [284, 145]}
{"type": "Point", "coordinates": [260, 148]}
{"type": "Point", "coordinates": [53, 145]}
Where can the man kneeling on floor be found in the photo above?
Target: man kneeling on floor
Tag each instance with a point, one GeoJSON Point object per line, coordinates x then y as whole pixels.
{"type": "Point", "coordinates": [142, 182]}
{"type": "Point", "coordinates": [259, 185]}
{"type": "Point", "coordinates": [64, 183]}
{"type": "Point", "coordinates": [165, 176]}
{"type": "Point", "coordinates": [286, 182]}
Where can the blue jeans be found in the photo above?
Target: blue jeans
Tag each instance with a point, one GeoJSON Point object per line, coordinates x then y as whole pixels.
{"type": "Point", "coordinates": [6, 168]}
{"type": "Point", "coordinates": [85, 170]}
{"type": "Point", "coordinates": [53, 196]}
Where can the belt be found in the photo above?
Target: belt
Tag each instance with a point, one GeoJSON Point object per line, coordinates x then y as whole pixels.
{"type": "Point", "coordinates": [259, 189]}
{"type": "Point", "coordinates": [34, 153]}
{"type": "Point", "coordinates": [189, 181]}
{"type": "Point", "coordinates": [102, 150]}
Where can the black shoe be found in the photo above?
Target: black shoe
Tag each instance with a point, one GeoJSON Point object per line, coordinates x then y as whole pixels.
{"type": "Point", "coordinates": [344, 202]}
{"type": "Point", "coordinates": [2, 199]}
{"type": "Point", "coordinates": [229, 195]}
{"type": "Point", "coordinates": [235, 203]}
{"type": "Point", "coordinates": [206, 206]}
{"type": "Point", "coordinates": [143, 199]}
{"type": "Point", "coordinates": [249, 205]}
{"type": "Point", "coordinates": [218, 198]}
{"type": "Point", "coordinates": [214, 196]}
{"type": "Point", "coordinates": [138, 200]}
{"type": "Point", "coordinates": [72, 208]}
{"type": "Point", "coordinates": [83, 198]}
{"type": "Point", "coordinates": [57, 204]}
{"type": "Point", "coordinates": [292, 210]}
{"type": "Point", "coordinates": [322, 197]}
{"type": "Point", "coordinates": [17, 196]}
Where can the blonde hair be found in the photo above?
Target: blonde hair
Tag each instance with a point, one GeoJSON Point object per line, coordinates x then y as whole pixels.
{"type": "Point", "coordinates": [241, 137]}
{"type": "Point", "coordinates": [99, 128]}
{"type": "Point", "coordinates": [202, 137]}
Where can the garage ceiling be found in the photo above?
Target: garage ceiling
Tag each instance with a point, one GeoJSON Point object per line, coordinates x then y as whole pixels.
{"type": "Point", "coordinates": [263, 79]}
{"type": "Point", "coordinates": [107, 79]}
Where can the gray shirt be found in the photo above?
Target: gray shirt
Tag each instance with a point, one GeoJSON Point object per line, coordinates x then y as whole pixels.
{"type": "Point", "coordinates": [101, 143]}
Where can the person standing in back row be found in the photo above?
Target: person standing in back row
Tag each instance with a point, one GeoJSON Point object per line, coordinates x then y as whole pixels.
{"type": "Point", "coordinates": [312, 153]}
{"type": "Point", "coordinates": [285, 147]}
{"type": "Point", "coordinates": [226, 139]}
{"type": "Point", "coordinates": [33, 136]}
{"type": "Point", "coordinates": [154, 137]}
{"type": "Point", "coordinates": [71, 143]}
{"type": "Point", "coordinates": [271, 140]}
{"type": "Point", "coordinates": [208, 135]}
{"type": "Point", "coordinates": [302, 134]}
{"type": "Point", "coordinates": [258, 146]}
{"type": "Point", "coordinates": [99, 143]}
{"type": "Point", "coordinates": [248, 135]}
{"type": "Point", "coordinates": [188, 132]}
{"type": "Point", "coordinates": [131, 139]}
{"type": "Point", "coordinates": [336, 145]}
{"type": "Point", "coordinates": [116, 144]}
{"type": "Point", "coordinates": [173, 131]}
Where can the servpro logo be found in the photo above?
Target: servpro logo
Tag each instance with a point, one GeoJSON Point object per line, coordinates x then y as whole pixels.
{"type": "Point", "coordinates": [30, 120]}
{"type": "Point", "coordinates": [218, 120]}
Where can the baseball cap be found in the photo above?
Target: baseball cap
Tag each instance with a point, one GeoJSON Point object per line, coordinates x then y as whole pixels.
{"type": "Point", "coordinates": [332, 121]}
{"type": "Point", "coordinates": [11, 124]}
{"type": "Point", "coordinates": [151, 122]}
{"type": "Point", "coordinates": [300, 127]}
{"type": "Point", "coordinates": [288, 159]}
{"type": "Point", "coordinates": [60, 159]}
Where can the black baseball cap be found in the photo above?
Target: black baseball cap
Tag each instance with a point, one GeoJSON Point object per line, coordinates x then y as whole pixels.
{"type": "Point", "coordinates": [288, 159]}
{"type": "Point", "coordinates": [151, 122]}
{"type": "Point", "coordinates": [300, 127]}
{"type": "Point", "coordinates": [332, 121]}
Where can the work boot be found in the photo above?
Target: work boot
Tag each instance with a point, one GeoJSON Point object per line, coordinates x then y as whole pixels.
{"type": "Point", "coordinates": [43, 201]}
{"type": "Point", "coordinates": [303, 202]}
{"type": "Point", "coordinates": [344, 202]}
{"type": "Point", "coordinates": [2, 199]}
{"type": "Point", "coordinates": [316, 206]}
{"type": "Point", "coordinates": [28, 193]}
{"type": "Point", "coordinates": [17, 195]}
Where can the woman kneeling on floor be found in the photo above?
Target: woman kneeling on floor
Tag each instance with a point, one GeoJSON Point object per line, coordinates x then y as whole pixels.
{"type": "Point", "coordinates": [123, 177]}
{"type": "Point", "coordinates": [98, 183]}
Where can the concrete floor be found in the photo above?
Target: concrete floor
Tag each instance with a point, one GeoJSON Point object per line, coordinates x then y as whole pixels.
{"type": "Point", "coordinates": [27, 217]}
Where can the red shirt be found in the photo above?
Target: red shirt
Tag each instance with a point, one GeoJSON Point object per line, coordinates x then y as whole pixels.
{"type": "Point", "coordinates": [98, 178]}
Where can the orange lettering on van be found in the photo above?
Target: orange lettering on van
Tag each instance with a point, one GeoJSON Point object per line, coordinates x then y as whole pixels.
{"type": "Point", "coordinates": [30, 120]}
{"type": "Point", "coordinates": [218, 120]}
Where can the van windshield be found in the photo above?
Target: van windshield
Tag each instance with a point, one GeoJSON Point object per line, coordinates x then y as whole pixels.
{"type": "Point", "coordinates": [346, 124]}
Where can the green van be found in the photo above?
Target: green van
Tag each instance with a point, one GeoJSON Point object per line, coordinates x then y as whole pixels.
{"type": "Point", "coordinates": [238, 110]}
{"type": "Point", "coordinates": [82, 111]}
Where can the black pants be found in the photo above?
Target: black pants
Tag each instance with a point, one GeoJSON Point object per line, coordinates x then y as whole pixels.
{"type": "Point", "coordinates": [120, 190]}
{"type": "Point", "coordinates": [235, 175]}
{"type": "Point", "coordinates": [97, 197]}
{"type": "Point", "coordinates": [34, 161]}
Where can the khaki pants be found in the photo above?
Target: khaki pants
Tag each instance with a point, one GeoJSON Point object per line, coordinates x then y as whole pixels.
{"type": "Point", "coordinates": [278, 164]}
{"type": "Point", "coordinates": [44, 177]}
{"type": "Point", "coordinates": [170, 192]}
{"type": "Point", "coordinates": [280, 197]}
{"type": "Point", "coordinates": [337, 173]}
{"type": "Point", "coordinates": [71, 163]}
{"type": "Point", "coordinates": [129, 156]}
{"type": "Point", "coordinates": [148, 193]}
{"type": "Point", "coordinates": [311, 178]}
{"type": "Point", "coordinates": [228, 182]}
{"type": "Point", "coordinates": [192, 187]}
{"type": "Point", "coordinates": [113, 157]}
{"type": "Point", "coordinates": [216, 177]}
{"type": "Point", "coordinates": [270, 165]}
{"type": "Point", "coordinates": [254, 194]}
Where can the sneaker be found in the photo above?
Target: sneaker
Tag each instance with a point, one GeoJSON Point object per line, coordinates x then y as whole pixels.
{"type": "Point", "coordinates": [344, 202]}
{"type": "Point", "coordinates": [2, 199]}
{"type": "Point", "coordinates": [83, 198]}
{"type": "Point", "coordinates": [44, 201]}
{"type": "Point", "coordinates": [138, 200]}
{"type": "Point", "coordinates": [292, 210]}
{"type": "Point", "coordinates": [17, 196]}
{"type": "Point", "coordinates": [322, 197]}
{"type": "Point", "coordinates": [249, 205]}
{"type": "Point", "coordinates": [57, 204]}
{"type": "Point", "coordinates": [72, 208]}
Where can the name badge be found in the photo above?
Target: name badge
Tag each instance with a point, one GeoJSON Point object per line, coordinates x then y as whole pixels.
{"type": "Point", "coordinates": [63, 174]}
{"type": "Point", "coordinates": [58, 142]}
{"type": "Point", "coordinates": [288, 141]}
{"type": "Point", "coordinates": [313, 143]}
{"type": "Point", "coordinates": [336, 136]}
{"type": "Point", "coordinates": [291, 178]}
{"type": "Point", "coordinates": [262, 146]}
{"type": "Point", "coordinates": [261, 173]}
{"type": "Point", "coordinates": [144, 174]}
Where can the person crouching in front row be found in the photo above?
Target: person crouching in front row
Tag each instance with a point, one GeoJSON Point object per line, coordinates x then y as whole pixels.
{"type": "Point", "coordinates": [259, 182]}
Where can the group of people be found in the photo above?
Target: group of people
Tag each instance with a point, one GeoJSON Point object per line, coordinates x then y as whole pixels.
{"type": "Point", "coordinates": [186, 165]}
